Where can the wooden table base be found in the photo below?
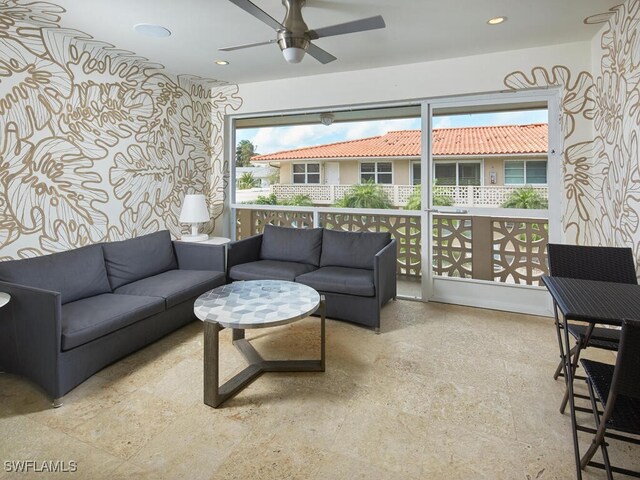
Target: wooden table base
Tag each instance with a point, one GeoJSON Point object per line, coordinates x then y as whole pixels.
{"type": "Point", "coordinates": [216, 394]}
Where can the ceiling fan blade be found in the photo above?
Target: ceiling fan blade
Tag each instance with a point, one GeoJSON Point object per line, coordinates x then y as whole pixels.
{"type": "Point", "coordinates": [362, 25]}
{"type": "Point", "coordinates": [319, 54]}
{"type": "Point", "coordinates": [246, 45]}
{"type": "Point", "coordinates": [257, 12]}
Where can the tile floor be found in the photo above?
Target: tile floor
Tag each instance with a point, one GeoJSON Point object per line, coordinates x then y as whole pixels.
{"type": "Point", "coordinates": [444, 392]}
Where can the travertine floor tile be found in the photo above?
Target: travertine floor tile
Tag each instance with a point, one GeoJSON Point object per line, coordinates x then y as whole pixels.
{"type": "Point", "coordinates": [445, 392]}
{"type": "Point", "coordinates": [268, 457]}
{"type": "Point", "coordinates": [126, 427]}
{"type": "Point", "coordinates": [25, 439]}
{"type": "Point", "coordinates": [191, 447]}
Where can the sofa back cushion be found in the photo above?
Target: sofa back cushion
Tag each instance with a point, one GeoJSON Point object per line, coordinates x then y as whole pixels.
{"type": "Point", "coordinates": [300, 245]}
{"type": "Point", "coordinates": [140, 257]}
{"type": "Point", "coordinates": [352, 249]}
{"type": "Point", "coordinates": [76, 274]}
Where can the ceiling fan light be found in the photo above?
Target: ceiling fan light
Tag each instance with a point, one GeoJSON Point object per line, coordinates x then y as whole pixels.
{"type": "Point", "coordinates": [293, 54]}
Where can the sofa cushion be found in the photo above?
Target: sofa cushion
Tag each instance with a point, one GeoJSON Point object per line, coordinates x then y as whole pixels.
{"type": "Point", "coordinates": [94, 317]}
{"type": "Point", "coordinates": [269, 270]}
{"type": "Point", "coordinates": [175, 286]}
{"type": "Point", "coordinates": [301, 245]}
{"type": "Point", "coordinates": [350, 281]}
{"type": "Point", "coordinates": [75, 274]}
{"type": "Point", "coordinates": [352, 249]}
{"type": "Point", "coordinates": [140, 257]}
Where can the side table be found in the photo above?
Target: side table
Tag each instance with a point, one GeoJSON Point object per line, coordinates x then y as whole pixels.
{"type": "Point", "coordinates": [212, 241]}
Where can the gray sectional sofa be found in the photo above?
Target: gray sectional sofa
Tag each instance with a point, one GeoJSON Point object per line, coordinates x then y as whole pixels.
{"type": "Point", "coordinates": [356, 272]}
{"type": "Point", "coordinates": [73, 313]}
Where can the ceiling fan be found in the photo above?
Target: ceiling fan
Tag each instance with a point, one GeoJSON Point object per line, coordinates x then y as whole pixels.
{"type": "Point", "coordinates": [294, 37]}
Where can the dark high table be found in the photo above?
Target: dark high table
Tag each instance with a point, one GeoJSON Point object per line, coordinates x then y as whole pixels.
{"type": "Point", "coordinates": [595, 303]}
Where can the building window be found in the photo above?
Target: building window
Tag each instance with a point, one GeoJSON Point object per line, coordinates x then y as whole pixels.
{"type": "Point", "coordinates": [376, 172]}
{"type": "Point", "coordinates": [521, 172]}
{"type": "Point", "coordinates": [416, 173]}
{"type": "Point", "coordinates": [306, 173]}
{"type": "Point", "coordinates": [457, 173]}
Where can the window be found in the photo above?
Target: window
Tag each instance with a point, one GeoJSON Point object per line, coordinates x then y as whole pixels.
{"type": "Point", "coordinates": [306, 173]}
{"type": "Point", "coordinates": [520, 172]}
{"type": "Point", "coordinates": [457, 173]}
{"type": "Point", "coordinates": [376, 172]}
{"type": "Point", "coordinates": [416, 173]}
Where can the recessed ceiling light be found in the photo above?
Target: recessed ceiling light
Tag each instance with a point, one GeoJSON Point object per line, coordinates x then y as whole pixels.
{"type": "Point", "coordinates": [151, 30]}
{"type": "Point", "coordinates": [222, 62]}
{"type": "Point", "coordinates": [496, 20]}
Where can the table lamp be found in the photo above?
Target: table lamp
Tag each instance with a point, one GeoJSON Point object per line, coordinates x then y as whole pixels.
{"type": "Point", "coordinates": [194, 211]}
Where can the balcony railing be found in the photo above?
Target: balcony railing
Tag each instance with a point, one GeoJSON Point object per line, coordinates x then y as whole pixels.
{"type": "Point", "coordinates": [496, 248]}
{"type": "Point", "coordinates": [468, 196]}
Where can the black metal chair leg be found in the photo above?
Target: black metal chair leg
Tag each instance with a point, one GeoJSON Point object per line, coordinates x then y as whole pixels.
{"type": "Point", "coordinates": [599, 439]}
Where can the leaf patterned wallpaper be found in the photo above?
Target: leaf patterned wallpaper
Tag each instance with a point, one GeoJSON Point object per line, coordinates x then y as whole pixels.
{"type": "Point", "coordinates": [97, 143]}
{"type": "Point", "coordinates": [602, 163]}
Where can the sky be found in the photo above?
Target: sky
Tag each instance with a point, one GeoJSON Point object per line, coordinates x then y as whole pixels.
{"type": "Point", "coordinates": [275, 139]}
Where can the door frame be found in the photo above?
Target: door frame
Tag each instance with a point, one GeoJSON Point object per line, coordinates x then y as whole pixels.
{"type": "Point", "coordinates": [482, 293]}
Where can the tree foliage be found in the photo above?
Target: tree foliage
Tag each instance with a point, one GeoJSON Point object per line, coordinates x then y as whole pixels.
{"type": "Point", "coordinates": [526, 197]}
{"type": "Point", "coordinates": [244, 151]}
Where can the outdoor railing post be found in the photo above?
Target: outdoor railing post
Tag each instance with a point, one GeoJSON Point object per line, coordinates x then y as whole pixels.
{"type": "Point", "coordinates": [481, 248]}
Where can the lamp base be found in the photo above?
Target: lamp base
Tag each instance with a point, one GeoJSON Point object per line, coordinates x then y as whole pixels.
{"type": "Point", "coordinates": [201, 237]}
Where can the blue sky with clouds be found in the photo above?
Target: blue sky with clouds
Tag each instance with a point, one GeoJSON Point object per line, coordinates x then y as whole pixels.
{"type": "Point", "coordinates": [275, 139]}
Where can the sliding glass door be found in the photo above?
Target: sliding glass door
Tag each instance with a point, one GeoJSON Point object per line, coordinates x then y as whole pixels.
{"type": "Point", "coordinates": [493, 198]}
{"type": "Point", "coordinates": [463, 184]}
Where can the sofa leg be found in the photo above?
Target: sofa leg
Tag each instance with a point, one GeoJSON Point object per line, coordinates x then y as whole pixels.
{"type": "Point", "coordinates": [377, 330]}
{"type": "Point", "coordinates": [57, 402]}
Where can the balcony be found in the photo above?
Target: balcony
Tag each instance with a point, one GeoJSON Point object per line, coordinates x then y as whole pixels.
{"type": "Point", "coordinates": [494, 248]}
{"type": "Point", "coordinates": [490, 196]}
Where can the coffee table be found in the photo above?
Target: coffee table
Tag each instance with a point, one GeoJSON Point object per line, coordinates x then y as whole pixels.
{"type": "Point", "coordinates": [253, 304]}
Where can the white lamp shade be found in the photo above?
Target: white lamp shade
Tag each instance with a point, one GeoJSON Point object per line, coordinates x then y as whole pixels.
{"type": "Point", "coordinates": [194, 209]}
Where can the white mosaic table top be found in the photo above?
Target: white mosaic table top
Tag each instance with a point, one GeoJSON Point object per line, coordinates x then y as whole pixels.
{"type": "Point", "coordinates": [257, 303]}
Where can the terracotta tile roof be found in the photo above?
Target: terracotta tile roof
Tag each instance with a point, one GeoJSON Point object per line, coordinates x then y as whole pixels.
{"type": "Point", "coordinates": [498, 140]}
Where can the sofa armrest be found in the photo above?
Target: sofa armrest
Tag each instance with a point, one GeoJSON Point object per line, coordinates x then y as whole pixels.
{"type": "Point", "coordinates": [244, 251]}
{"type": "Point", "coordinates": [384, 272]}
{"type": "Point", "coordinates": [199, 256]}
{"type": "Point", "coordinates": [31, 334]}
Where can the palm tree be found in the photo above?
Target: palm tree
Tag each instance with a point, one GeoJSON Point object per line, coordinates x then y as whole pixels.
{"type": "Point", "coordinates": [525, 197]}
{"type": "Point", "coordinates": [365, 195]}
{"type": "Point", "coordinates": [244, 151]}
{"type": "Point", "coordinates": [247, 180]}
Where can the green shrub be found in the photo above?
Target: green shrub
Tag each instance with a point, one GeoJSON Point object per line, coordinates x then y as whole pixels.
{"type": "Point", "coordinates": [365, 195]}
{"type": "Point", "coordinates": [271, 199]}
{"type": "Point", "coordinates": [525, 197]}
{"type": "Point", "coordinates": [298, 201]}
{"type": "Point", "coordinates": [265, 200]}
{"type": "Point", "coordinates": [439, 200]}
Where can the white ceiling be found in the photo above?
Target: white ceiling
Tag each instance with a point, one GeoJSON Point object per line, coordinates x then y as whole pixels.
{"type": "Point", "coordinates": [417, 31]}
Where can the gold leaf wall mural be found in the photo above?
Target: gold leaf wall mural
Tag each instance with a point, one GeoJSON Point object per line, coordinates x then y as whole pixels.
{"type": "Point", "coordinates": [601, 172]}
{"type": "Point", "coordinates": [97, 143]}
